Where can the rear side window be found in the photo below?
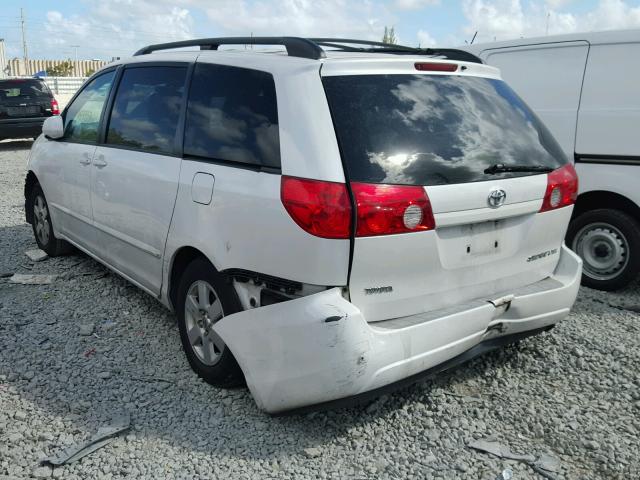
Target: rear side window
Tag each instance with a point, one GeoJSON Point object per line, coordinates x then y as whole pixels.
{"type": "Point", "coordinates": [82, 117]}
{"type": "Point", "coordinates": [232, 116]}
{"type": "Point", "coordinates": [146, 109]}
{"type": "Point", "coordinates": [24, 89]}
{"type": "Point", "coordinates": [434, 129]}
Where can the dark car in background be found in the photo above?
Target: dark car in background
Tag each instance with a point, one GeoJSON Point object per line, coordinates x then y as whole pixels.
{"type": "Point", "coordinates": [24, 105]}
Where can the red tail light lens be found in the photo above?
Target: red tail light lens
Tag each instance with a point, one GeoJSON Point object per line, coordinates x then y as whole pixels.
{"type": "Point", "coordinates": [562, 188]}
{"type": "Point", "coordinates": [55, 109]}
{"type": "Point", "coordinates": [320, 208]}
{"type": "Point", "coordinates": [389, 209]}
{"type": "Point", "coordinates": [436, 67]}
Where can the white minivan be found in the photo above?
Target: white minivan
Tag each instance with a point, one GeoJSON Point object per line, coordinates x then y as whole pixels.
{"type": "Point", "coordinates": [584, 86]}
{"type": "Point", "coordinates": [326, 221]}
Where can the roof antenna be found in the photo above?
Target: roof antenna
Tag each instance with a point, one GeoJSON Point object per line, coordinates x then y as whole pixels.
{"type": "Point", "coordinates": [474, 37]}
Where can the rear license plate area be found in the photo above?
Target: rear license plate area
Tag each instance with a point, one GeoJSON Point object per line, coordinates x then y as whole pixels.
{"type": "Point", "coordinates": [483, 238]}
{"type": "Point", "coordinates": [22, 111]}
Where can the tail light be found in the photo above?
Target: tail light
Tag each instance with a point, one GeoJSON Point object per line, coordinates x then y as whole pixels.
{"type": "Point", "coordinates": [55, 109]}
{"type": "Point", "coordinates": [323, 209]}
{"type": "Point", "coordinates": [320, 208]}
{"type": "Point", "coordinates": [562, 188]}
{"type": "Point", "coordinates": [389, 209]}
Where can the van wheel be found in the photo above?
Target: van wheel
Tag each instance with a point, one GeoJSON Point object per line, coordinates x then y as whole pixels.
{"type": "Point", "coordinates": [203, 298]}
{"type": "Point", "coordinates": [42, 227]}
{"type": "Point", "coordinates": [608, 241]}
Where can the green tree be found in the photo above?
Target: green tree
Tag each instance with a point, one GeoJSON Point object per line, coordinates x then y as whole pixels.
{"type": "Point", "coordinates": [90, 72]}
{"type": "Point", "coordinates": [64, 69]}
{"type": "Point", "coordinates": [389, 36]}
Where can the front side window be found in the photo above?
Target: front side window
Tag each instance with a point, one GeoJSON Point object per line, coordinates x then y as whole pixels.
{"type": "Point", "coordinates": [435, 129]}
{"type": "Point", "coordinates": [146, 109]}
{"type": "Point", "coordinates": [82, 117]}
{"type": "Point", "coordinates": [232, 116]}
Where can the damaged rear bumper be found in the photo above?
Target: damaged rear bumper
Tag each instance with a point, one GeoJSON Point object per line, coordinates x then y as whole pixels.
{"type": "Point", "coordinates": [320, 348]}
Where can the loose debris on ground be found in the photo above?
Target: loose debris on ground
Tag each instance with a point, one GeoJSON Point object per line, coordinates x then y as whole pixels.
{"type": "Point", "coordinates": [102, 437]}
{"type": "Point", "coordinates": [88, 344]}
{"type": "Point", "coordinates": [545, 464]}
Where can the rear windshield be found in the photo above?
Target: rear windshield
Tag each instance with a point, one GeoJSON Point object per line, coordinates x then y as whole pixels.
{"type": "Point", "coordinates": [23, 88]}
{"type": "Point", "coordinates": [434, 129]}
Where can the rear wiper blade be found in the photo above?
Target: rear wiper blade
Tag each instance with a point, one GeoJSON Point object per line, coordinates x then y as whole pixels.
{"type": "Point", "coordinates": [501, 168]}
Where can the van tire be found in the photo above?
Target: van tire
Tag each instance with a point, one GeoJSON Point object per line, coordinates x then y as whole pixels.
{"type": "Point", "coordinates": [598, 229]}
{"type": "Point", "coordinates": [216, 366]}
{"type": "Point", "coordinates": [42, 226]}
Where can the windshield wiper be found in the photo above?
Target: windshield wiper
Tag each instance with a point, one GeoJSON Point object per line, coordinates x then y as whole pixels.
{"type": "Point", "coordinates": [501, 168]}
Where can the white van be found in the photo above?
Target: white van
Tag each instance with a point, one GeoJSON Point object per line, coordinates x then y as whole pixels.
{"type": "Point", "coordinates": [326, 222]}
{"type": "Point", "coordinates": [584, 86]}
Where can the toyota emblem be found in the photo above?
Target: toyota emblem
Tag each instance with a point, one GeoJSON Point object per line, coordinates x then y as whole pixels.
{"type": "Point", "coordinates": [496, 198]}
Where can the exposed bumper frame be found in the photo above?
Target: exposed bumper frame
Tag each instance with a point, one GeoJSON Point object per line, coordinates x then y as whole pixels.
{"type": "Point", "coordinates": [320, 349]}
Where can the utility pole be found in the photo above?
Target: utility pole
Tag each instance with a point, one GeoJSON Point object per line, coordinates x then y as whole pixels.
{"type": "Point", "coordinates": [24, 43]}
{"type": "Point", "coordinates": [548, 17]}
{"type": "Point", "coordinates": [75, 65]}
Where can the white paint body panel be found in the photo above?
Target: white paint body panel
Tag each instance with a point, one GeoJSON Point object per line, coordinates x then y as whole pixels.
{"type": "Point", "coordinates": [66, 169]}
{"type": "Point", "coordinates": [292, 357]}
{"type": "Point", "coordinates": [133, 195]}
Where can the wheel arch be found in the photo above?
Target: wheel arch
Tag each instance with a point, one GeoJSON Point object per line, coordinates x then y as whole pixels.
{"type": "Point", "coordinates": [597, 199]}
{"type": "Point", "coordinates": [182, 257]}
{"type": "Point", "coordinates": [30, 181]}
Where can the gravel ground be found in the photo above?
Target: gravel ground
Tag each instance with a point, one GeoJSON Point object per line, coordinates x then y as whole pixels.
{"type": "Point", "coordinates": [89, 346]}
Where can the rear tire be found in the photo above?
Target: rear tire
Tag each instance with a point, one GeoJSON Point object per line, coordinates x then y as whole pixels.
{"type": "Point", "coordinates": [608, 241]}
{"type": "Point", "coordinates": [42, 226]}
{"type": "Point", "coordinates": [203, 298]}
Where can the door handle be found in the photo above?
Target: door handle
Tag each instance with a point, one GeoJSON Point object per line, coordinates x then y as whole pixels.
{"type": "Point", "coordinates": [85, 160]}
{"type": "Point", "coordinates": [100, 162]}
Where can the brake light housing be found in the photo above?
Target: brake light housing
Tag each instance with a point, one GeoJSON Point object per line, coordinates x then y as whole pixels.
{"type": "Point", "coordinates": [436, 67]}
{"type": "Point", "coordinates": [55, 108]}
{"type": "Point", "coordinates": [391, 209]}
{"type": "Point", "coordinates": [320, 208]}
{"type": "Point", "coordinates": [562, 188]}
{"type": "Point", "coordinates": [324, 208]}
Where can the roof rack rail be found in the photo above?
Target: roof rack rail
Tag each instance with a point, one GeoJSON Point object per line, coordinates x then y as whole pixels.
{"type": "Point", "coordinates": [312, 47]}
{"type": "Point", "coordinates": [296, 46]}
{"type": "Point", "coordinates": [345, 45]}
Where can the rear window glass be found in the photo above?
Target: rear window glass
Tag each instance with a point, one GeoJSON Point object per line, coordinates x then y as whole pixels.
{"type": "Point", "coordinates": [232, 116]}
{"type": "Point", "coordinates": [24, 88]}
{"type": "Point", "coordinates": [434, 129]}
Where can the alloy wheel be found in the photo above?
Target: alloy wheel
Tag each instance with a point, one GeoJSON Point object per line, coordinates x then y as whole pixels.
{"type": "Point", "coordinates": [202, 310]}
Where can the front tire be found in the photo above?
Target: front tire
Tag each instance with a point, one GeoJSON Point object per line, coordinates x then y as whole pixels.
{"type": "Point", "coordinates": [608, 241]}
{"type": "Point", "coordinates": [42, 227]}
{"type": "Point", "coordinates": [203, 298]}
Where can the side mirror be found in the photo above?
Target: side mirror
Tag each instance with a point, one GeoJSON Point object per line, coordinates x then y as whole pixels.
{"type": "Point", "coordinates": [53, 127]}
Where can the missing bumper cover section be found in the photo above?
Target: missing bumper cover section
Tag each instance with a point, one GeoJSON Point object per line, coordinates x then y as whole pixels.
{"type": "Point", "coordinates": [273, 283]}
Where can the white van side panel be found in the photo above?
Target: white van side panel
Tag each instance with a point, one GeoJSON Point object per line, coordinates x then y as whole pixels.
{"type": "Point", "coordinates": [549, 78]}
{"type": "Point", "coordinates": [620, 179]}
{"type": "Point", "coordinates": [609, 116]}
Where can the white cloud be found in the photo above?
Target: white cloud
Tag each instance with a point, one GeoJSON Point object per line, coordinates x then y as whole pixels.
{"type": "Point", "coordinates": [506, 19]}
{"type": "Point", "coordinates": [114, 28]}
{"type": "Point", "coordinates": [340, 18]}
{"type": "Point", "coordinates": [425, 39]}
{"type": "Point", "coordinates": [414, 4]}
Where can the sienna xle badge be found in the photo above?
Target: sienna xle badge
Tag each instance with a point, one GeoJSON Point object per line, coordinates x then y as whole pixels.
{"type": "Point", "coordinates": [326, 223]}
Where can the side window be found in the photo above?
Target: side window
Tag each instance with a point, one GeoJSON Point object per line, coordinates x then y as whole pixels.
{"type": "Point", "coordinates": [146, 109]}
{"type": "Point", "coordinates": [82, 117]}
{"type": "Point", "coordinates": [232, 115]}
